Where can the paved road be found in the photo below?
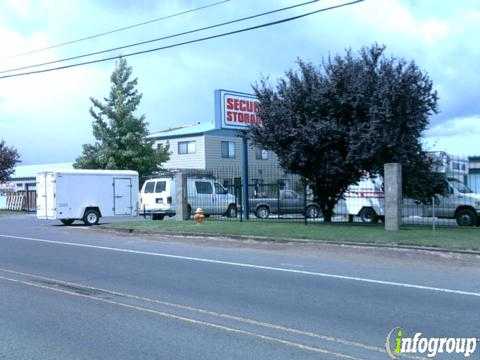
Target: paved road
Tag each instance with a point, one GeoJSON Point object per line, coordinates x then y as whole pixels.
{"type": "Point", "coordinates": [78, 293]}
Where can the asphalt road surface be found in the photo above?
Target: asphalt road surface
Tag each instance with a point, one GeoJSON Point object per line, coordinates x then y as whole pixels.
{"type": "Point", "coordinates": [80, 293]}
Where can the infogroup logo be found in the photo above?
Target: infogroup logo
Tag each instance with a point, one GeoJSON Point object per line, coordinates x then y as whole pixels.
{"type": "Point", "coordinates": [398, 344]}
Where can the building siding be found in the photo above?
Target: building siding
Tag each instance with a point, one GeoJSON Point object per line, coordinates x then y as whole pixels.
{"type": "Point", "coordinates": [184, 161]}
{"type": "Point", "coordinates": [208, 157]}
{"type": "Point", "coordinates": [268, 170]}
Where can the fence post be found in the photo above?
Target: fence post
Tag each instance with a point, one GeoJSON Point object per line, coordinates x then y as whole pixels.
{"type": "Point", "coordinates": [240, 195]}
{"type": "Point", "coordinates": [393, 196]}
{"type": "Point", "coordinates": [305, 219]}
{"type": "Point", "coordinates": [181, 200]}
{"type": "Point", "coordinates": [27, 206]}
{"type": "Point", "coordinates": [279, 212]}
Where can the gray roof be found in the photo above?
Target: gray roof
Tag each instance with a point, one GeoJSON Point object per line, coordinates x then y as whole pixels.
{"type": "Point", "coordinates": [199, 128]}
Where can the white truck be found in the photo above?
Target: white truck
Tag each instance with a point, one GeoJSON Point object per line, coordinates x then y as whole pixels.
{"type": "Point", "coordinates": [366, 200]}
{"type": "Point", "coordinates": [157, 197]}
{"type": "Point", "coordinates": [86, 195]}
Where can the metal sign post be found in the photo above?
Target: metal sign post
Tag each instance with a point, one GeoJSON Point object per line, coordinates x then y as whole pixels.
{"type": "Point", "coordinates": [245, 195]}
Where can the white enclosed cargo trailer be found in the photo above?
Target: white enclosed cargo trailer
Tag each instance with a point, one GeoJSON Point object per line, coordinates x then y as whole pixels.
{"type": "Point", "coordinates": [86, 195]}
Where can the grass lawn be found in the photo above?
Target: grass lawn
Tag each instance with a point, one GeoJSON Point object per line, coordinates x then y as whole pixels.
{"type": "Point", "coordinates": [449, 238]}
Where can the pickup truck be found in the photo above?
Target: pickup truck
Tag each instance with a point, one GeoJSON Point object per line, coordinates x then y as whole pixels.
{"type": "Point", "coordinates": [288, 202]}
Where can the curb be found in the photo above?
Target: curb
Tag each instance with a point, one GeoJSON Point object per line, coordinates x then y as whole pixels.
{"type": "Point", "coordinates": [293, 240]}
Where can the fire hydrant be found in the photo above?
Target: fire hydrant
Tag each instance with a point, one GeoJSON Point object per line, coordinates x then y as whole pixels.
{"type": "Point", "coordinates": [199, 216]}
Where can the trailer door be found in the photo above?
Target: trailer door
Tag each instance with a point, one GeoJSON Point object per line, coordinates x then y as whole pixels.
{"type": "Point", "coordinates": [46, 197]}
{"type": "Point", "coordinates": [41, 196]}
{"type": "Point", "coordinates": [122, 196]}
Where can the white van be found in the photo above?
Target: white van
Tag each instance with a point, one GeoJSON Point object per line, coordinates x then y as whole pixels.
{"type": "Point", "coordinates": [157, 197]}
{"type": "Point", "coordinates": [86, 195]}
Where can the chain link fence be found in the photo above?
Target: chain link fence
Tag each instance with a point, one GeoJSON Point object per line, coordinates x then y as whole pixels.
{"type": "Point", "coordinates": [275, 195]}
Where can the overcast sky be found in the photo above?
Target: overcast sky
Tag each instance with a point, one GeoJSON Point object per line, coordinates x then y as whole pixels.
{"type": "Point", "coordinates": [46, 116]}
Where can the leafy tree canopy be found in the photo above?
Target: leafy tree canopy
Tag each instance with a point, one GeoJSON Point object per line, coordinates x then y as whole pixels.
{"type": "Point", "coordinates": [345, 119]}
{"type": "Point", "coordinates": [8, 158]}
{"type": "Point", "coordinates": [121, 136]}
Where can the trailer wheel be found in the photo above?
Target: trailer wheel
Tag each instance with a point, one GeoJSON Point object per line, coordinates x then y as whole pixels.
{"type": "Point", "coordinates": [91, 217]}
{"type": "Point", "coordinates": [67, 222]}
{"type": "Point", "coordinates": [158, 216]}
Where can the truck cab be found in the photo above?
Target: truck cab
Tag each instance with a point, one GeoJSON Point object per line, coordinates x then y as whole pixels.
{"type": "Point", "coordinates": [459, 203]}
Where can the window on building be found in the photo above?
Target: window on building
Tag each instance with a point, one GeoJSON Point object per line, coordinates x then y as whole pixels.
{"type": "Point", "coordinates": [161, 186]}
{"type": "Point", "coordinates": [261, 154]}
{"type": "Point", "coordinates": [228, 149]}
{"type": "Point", "coordinates": [187, 147]}
{"type": "Point", "coordinates": [149, 187]}
{"type": "Point", "coordinates": [203, 187]}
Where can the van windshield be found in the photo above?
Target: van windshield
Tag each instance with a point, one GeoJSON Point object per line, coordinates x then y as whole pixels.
{"type": "Point", "coordinates": [460, 187]}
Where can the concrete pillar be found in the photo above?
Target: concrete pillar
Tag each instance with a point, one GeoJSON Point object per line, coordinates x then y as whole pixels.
{"type": "Point", "coordinates": [181, 199]}
{"type": "Point", "coordinates": [393, 196]}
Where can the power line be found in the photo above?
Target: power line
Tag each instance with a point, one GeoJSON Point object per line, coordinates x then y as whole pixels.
{"type": "Point", "coordinates": [160, 38]}
{"type": "Point", "coordinates": [272, 23]}
{"type": "Point", "coordinates": [94, 36]}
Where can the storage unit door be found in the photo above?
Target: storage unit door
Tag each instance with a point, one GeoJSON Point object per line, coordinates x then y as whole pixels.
{"type": "Point", "coordinates": [122, 196]}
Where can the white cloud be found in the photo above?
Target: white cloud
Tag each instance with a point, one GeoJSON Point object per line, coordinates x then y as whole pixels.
{"type": "Point", "coordinates": [19, 7]}
{"type": "Point", "coordinates": [459, 136]}
{"type": "Point", "coordinates": [395, 17]}
{"type": "Point", "coordinates": [178, 83]}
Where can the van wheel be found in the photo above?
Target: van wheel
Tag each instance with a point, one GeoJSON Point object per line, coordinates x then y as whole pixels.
{"type": "Point", "coordinates": [91, 217]}
{"type": "Point", "coordinates": [189, 212]}
{"type": "Point", "coordinates": [262, 212]}
{"type": "Point", "coordinates": [466, 217]}
{"type": "Point", "coordinates": [368, 215]}
{"type": "Point", "coordinates": [67, 222]}
{"type": "Point", "coordinates": [312, 212]}
{"type": "Point", "coordinates": [231, 211]}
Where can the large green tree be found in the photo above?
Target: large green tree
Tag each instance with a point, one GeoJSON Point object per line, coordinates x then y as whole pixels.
{"type": "Point", "coordinates": [121, 136]}
{"type": "Point", "coordinates": [337, 122]}
{"type": "Point", "coordinates": [8, 158]}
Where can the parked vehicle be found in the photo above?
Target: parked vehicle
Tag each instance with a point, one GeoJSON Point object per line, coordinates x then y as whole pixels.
{"type": "Point", "coordinates": [157, 197]}
{"type": "Point", "coordinates": [459, 203]}
{"type": "Point", "coordinates": [288, 202]}
{"type": "Point", "coordinates": [366, 200]}
{"type": "Point", "coordinates": [86, 195]}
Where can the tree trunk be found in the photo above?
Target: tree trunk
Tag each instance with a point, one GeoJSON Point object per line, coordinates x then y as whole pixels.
{"type": "Point", "coordinates": [327, 206]}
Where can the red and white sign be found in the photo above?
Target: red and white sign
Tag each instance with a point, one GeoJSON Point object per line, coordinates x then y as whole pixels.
{"type": "Point", "coordinates": [236, 110]}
